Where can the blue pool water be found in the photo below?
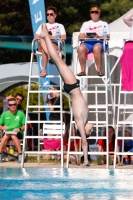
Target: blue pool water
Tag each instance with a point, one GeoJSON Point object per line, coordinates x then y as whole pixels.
{"type": "Point", "coordinates": [62, 184]}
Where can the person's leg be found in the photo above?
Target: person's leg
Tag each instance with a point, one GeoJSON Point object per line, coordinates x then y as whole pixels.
{"type": "Point", "coordinates": [45, 55]}
{"type": "Point", "coordinates": [4, 142]}
{"type": "Point", "coordinates": [17, 143]}
{"type": "Point", "coordinates": [83, 141]}
{"type": "Point", "coordinates": [82, 51]}
{"type": "Point", "coordinates": [97, 51]}
{"type": "Point", "coordinates": [64, 70]}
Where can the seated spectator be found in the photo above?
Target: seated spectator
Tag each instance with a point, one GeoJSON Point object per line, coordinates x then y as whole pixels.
{"type": "Point", "coordinates": [74, 145]}
{"type": "Point", "coordinates": [53, 98]}
{"type": "Point", "coordinates": [12, 120]}
{"type": "Point", "coordinates": [19, 98]}
{"type": "Point", "coordinates": [52, 26]}
{"type": "Point", "coordinates": [126, 58]}
{"type": "Point", "coordinates": [95, 26]}
{"type": "Point", "coordinates": [102, 147]}
{"type": "Point", "coordinates": [128, 147]}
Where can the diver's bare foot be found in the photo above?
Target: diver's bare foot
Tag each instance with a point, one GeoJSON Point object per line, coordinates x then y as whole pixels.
{"type": "Point", "coordinates": [44, 31]}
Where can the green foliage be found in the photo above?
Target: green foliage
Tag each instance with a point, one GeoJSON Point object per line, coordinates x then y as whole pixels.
{"type": "Point", "coordinates": [24, 90]}
{"type": "Point", "coordinates": [113, 9]}
{"type": "Point", "coordinates": [15, 19]}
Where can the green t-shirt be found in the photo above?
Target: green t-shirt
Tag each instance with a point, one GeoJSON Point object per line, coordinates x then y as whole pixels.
{"type": "Point", "coordinates": [12, 121]}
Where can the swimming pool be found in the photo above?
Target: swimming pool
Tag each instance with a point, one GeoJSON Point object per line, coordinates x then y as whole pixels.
{"type": "Point", "coordinates": [62, 184]}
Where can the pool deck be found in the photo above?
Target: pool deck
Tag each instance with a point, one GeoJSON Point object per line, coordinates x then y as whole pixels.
{"type": "Point", "coordinates": [57, 165]}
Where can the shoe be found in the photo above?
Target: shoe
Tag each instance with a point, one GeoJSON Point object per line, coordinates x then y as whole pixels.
{"type": "Point", "coordinates": [43, 75]}
{"type": "Point", "coordinates": [81, 74]}
{"type": "Point", "coordinates": [19, 158]}
{"type": "Point", "coordinates": [100, 74]}
{"type": "Point", "coordinates": [0, 158]}
{"type": "Point", "coordinates": [126, 162]}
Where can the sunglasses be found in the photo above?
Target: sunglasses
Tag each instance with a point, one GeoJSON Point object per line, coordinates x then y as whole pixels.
{"type": "Point", "coordinates": [51, 14]}
{"type": "Point", "coordinates": [96, 12]}
{"type": "Point", "coordinates": [14, 104]}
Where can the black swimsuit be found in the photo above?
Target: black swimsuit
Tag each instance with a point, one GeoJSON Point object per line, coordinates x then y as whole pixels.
{"type": "Point", "coordinates": [69, 87]}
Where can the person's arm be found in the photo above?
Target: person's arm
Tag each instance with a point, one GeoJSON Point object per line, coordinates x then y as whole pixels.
{"type": "Point", "coordinates": [63, 37]}
{"type": "Point", "coordinates": [82, 35]}
{"type": "Point", "coordinates": [3, 128]}
{"type": "Point", "coordinates": [128, 19]}
{"type": "Point", "coordinates": [100, 148]}
{"type": "Point", "coordinates": [50, 104]}
{"type": "Point", "coordinates": [100, 145]}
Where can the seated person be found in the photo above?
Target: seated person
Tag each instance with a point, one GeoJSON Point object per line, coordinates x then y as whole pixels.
{"type": "Point", "coordinates": [12, 120]}
{"type": "Point", "coordinates": [126, 58]}
{"type": "Point", "coordinates": [53, 98]}
{"type": "Point", "coordinates": [19, 98]}
{"type": "Point", "coordinates": [102, 146]}
{"type": "Point", "coordinates": [52, 26]}
{"type": "Point", "coordinates": [73, 145]}
{"type": "Point", "coordinates": [94, 25]}
{"type": "Point", "coordinates": [128, 147]}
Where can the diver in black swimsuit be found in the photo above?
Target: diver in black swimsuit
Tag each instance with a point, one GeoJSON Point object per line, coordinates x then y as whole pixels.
{"type": "Point", "coordinates": [71, 86]}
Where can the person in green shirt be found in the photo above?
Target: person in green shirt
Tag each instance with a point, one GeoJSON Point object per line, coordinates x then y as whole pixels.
{"type": "Point", "coordinates": [12, 120]}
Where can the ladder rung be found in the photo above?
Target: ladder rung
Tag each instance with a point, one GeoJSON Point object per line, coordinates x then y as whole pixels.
{"type": "Point", "coordinates": [126, 92]}
{"type": "Point", "coordinates": [98, 77]}
{"type": "Point", "coordinates": [91, 153]}
{"type": "Point", "coordinates": [42, 137]}
{"type": "Point", "coordinates": [49, 76]}
{"type": "Point", "coordinates": [32, 106]}
{"type": "Point", "coordinates": [124, 138]}
{"type": "Point", "coordinates": [94, 91]}
{"type": "Point", "coordinates": [42, 152]}
{"type": "Point", "coordinates": [126, 106]}
{"type": "Point", "coordinates": [125, 122]}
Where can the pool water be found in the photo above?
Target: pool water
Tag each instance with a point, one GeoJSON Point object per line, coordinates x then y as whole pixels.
{"type": "Point", "coordinates": [62, 184]}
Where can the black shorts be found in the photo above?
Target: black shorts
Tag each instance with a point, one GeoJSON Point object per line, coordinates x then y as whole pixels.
{"type": "Point", "coordinates": [69, 87]}
{"type": "Point", "coordinates": [19, 136]}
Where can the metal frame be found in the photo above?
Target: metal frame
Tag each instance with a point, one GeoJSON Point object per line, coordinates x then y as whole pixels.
{"type": "Point", "coordinates": [62, 52]}
{"type": "Point", "coordinates": [103, 108]}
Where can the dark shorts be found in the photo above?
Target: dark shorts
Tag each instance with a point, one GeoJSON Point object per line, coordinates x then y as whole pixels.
{"type": "Point", "coordinates": [19, 136]}
{"type": "Point", "coordinates": [69, 87]}
{"type": "Point", "coordinates": [54, 41]}
{"type": "Point", "coordinates": [91, 44]}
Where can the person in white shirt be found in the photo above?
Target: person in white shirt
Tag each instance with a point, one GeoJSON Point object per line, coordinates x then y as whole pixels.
{"type": "Point", "coordinates": [52, 26]}
{"type": "Point", "coordinates": [92, 29]}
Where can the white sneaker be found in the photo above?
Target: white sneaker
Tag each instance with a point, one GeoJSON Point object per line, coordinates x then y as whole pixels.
{"type": "Point", "coordinates": [38, 52]}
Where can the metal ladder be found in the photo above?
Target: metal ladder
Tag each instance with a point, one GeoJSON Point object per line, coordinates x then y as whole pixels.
{"type": "Point", "coordinates": [32, 77]}
{"type": "Point", "coordinates": [96, 109]}
{"type": "Point", "coordinates": [125, 107]}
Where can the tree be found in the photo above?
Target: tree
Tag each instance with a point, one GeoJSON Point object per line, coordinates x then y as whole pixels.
{"type": "Point", "coordinates": [24, 90]}
{"type": "Point", "coordinates": [15, 19]}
